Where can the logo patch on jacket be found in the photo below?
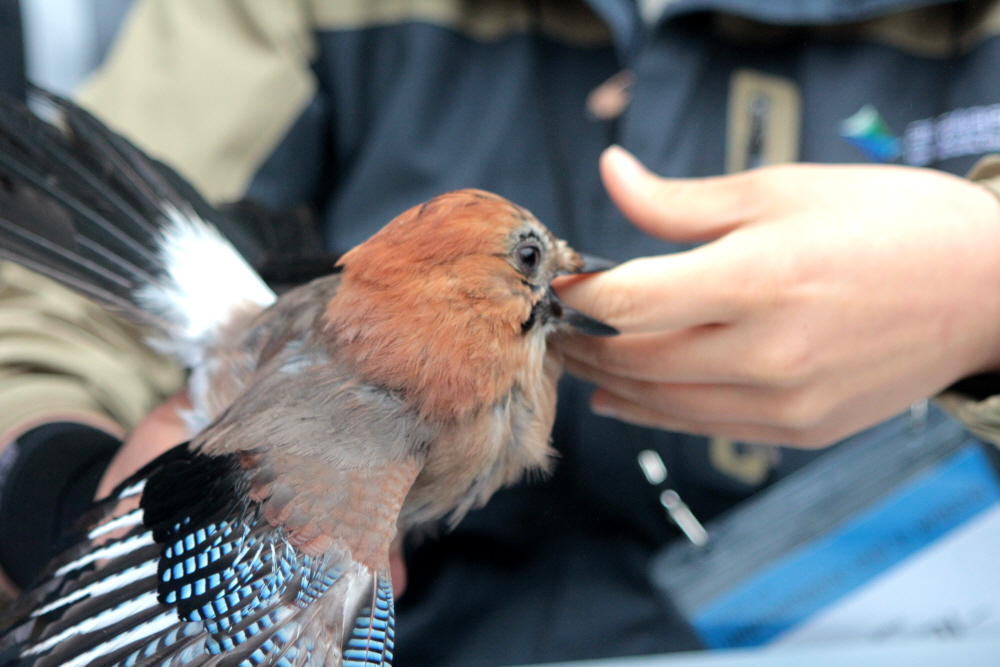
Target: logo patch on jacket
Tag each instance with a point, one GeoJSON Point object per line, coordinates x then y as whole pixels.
{"type": "Point", "coordinates": [868, 132]}
{"type": "Point", "coordinates": [957, 133]}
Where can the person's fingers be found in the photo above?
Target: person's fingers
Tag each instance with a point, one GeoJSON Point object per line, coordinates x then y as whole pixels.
{"type": "Point", "coordinates": [679, 209]}
{"type": "Point", "coordinates": [692, 288]}
{"type": "Point", "coordinates": [607, 404]}
{"type": "Point", "coordinates": [716, 403]}
{"type": "Point", "coordinates": [707, 354]}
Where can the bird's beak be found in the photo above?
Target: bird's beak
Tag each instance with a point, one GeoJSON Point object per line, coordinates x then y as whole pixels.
{"type": "Point", "coordinates": [579, 321]}
{"type": "Point", "coordinates": [593, 264]}
{"type": "Point", "coordinates": [587, 324]}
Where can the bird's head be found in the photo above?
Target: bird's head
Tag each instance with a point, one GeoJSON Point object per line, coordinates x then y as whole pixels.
{"type": "Point", "coordinates": [451, 300]}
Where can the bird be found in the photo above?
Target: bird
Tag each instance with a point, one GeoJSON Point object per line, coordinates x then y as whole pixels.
{"type": "Point", "coordinates": [400, 390]}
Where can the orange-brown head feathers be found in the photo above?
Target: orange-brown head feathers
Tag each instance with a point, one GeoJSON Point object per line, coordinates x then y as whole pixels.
{"type": "Point", "coordinates": [442, 304]}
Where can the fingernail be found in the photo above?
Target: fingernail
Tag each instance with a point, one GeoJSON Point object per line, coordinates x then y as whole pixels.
{"type": "Point", "coordinates": [624, 158]}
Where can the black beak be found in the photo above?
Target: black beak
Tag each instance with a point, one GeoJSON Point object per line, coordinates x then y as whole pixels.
{"type": "Point", "coordinates": [593, 264]}
{"type": "Point", "coordinates": [579, 321]}
{"type": "Point", "coordinates": [587, 324]}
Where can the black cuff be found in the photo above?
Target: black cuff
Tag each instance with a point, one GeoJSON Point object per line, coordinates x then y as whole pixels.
{"type": "Point", "coordinates": [978, 387]}
{"type": "Point", "coordinates": [48, 477]}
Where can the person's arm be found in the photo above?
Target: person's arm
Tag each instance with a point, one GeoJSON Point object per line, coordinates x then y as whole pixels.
{"type": "Point", "coordinates": [827, 299]}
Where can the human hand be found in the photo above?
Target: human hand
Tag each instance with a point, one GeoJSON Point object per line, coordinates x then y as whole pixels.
{"type": "Point", "coordinates": [829, 298]}
{"type": "Point", "coordinates": [164, 428]}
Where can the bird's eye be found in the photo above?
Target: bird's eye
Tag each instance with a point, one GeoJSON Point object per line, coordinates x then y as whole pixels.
{"type": "Point", "coordinates": [528, 257]}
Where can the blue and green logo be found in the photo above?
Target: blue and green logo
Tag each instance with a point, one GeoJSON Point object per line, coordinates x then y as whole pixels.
{"type": "Point", "coordinates": [867, 131]}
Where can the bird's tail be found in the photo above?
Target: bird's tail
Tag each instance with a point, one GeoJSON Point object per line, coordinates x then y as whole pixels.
{"type": "Point", "coordinates": [82, 205]}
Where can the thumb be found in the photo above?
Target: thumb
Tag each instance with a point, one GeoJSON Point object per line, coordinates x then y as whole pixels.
{"type": "Point", "coordinates": [677, 209]}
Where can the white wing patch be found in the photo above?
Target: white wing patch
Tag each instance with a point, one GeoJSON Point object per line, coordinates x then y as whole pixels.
{"type": "Point", "coordinates": [206, 281]}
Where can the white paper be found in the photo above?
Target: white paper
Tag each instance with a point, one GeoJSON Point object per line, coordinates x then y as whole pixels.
{"type": "Point", "coordinates": [950, 588]}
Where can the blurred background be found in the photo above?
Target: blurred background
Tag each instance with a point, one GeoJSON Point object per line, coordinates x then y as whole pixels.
{"type": "Point", "coordinates": [55, 43]}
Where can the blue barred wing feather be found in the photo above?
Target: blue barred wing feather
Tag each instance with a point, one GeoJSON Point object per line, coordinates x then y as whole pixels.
{"type": "Point", "coordinates": [178, 569]}
{"type": "Point", "coordinates": [373, 635]}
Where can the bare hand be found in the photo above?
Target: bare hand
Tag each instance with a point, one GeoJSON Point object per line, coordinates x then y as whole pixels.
{"type": "Point", "coordinates": [162, 429]}
{"type": "Point", "coordinates": [831, 298]}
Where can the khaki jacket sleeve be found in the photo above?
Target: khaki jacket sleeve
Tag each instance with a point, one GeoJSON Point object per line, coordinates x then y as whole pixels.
{"type": "Point", "coordinates": [210, 88]}
{"type": "Point", "coordinates": [980, 417]}
{"type": "Point", "coordinates": [65, 358]}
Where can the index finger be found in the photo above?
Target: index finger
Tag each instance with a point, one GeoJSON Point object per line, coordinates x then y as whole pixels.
{"type": "Point", "coordinates": [687, 289]}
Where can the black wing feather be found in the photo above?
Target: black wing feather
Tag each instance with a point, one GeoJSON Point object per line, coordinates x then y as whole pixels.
{"type": "Point", "coordinates": [82, 205]}
{"type": "Point", "coordinates": [176, 568]}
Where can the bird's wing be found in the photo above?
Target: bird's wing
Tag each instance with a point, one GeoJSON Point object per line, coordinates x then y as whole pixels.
{"type": "Point", "coordinates": [179, 568]}
{"type": "Point", "coordinates": [82, 205]}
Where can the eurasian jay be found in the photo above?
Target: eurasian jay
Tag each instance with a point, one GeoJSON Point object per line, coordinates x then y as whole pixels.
{"type": "Point", "coordinates": [404, 388]}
